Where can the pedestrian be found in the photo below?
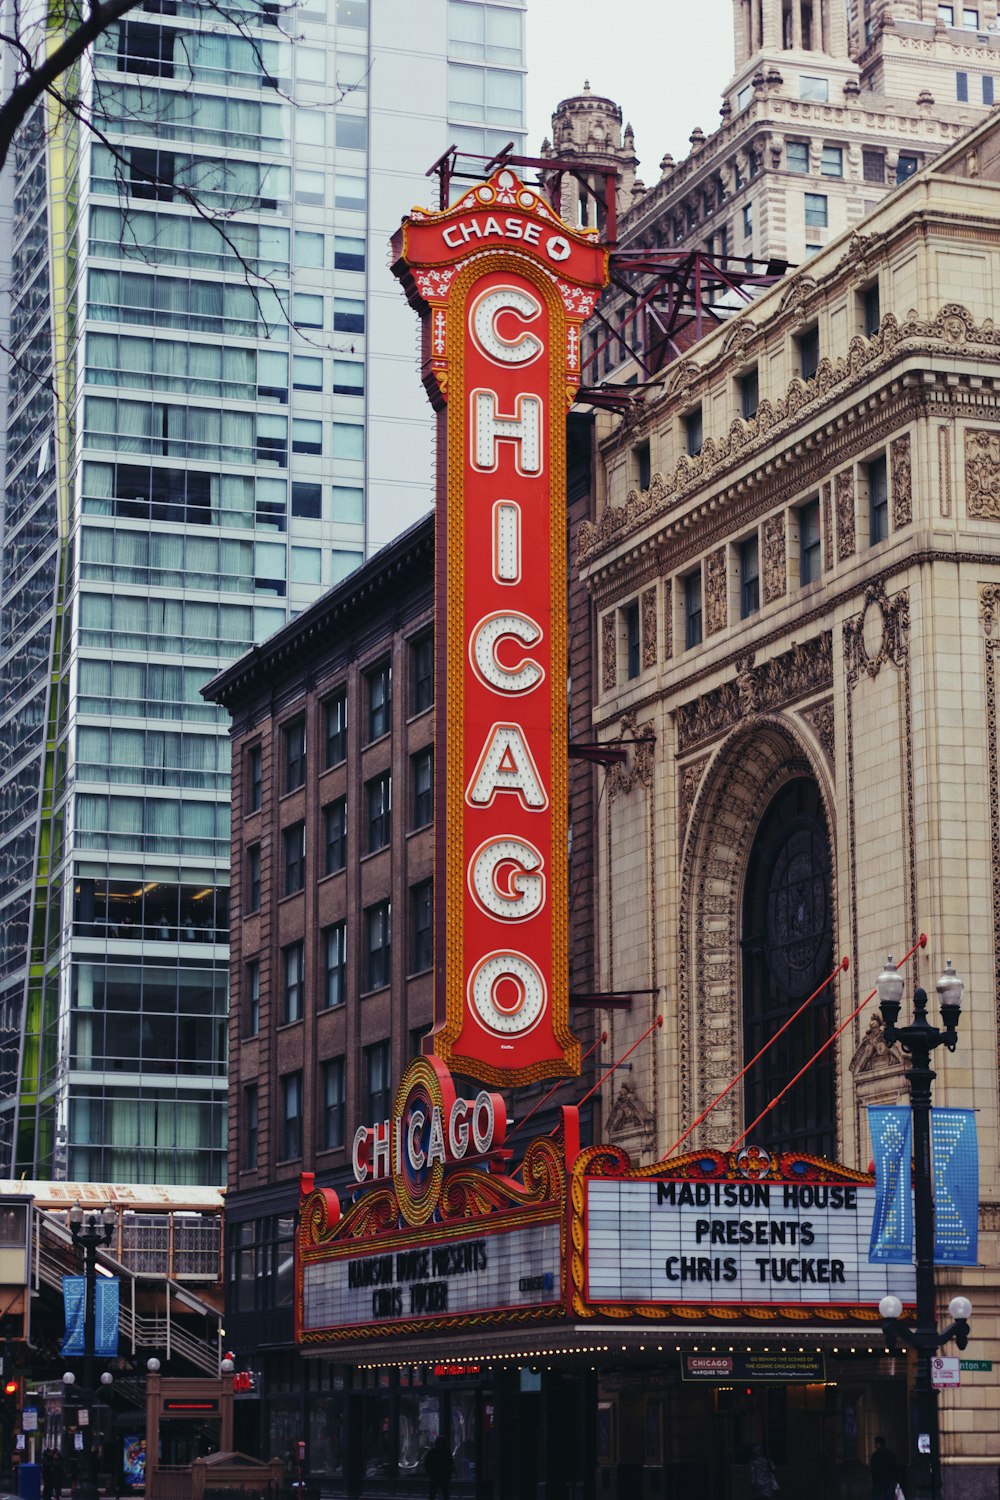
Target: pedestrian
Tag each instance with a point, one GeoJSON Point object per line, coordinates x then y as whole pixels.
{"type": "Point", "coordinates": [51, 1475]}
{"type": "Point", "coordinates": [763, 1480]}
{"type": "Point", "coordinates": [439, 1466]}
{"type": "Point", "coordinates": [884, 1468]}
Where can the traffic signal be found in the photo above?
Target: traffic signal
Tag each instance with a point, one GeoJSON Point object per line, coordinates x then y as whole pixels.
{"type": "Point", "coordinates": [10, 1398]}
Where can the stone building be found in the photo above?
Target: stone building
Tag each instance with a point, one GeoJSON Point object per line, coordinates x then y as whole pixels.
{"type": "Point", "coordinates": [828, 109]}
{"type": "Point", "coordinates": [797, 620]}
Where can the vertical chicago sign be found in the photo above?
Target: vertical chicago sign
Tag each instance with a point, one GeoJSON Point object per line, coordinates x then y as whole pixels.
{"type": "Point", "coordinates": [503, 287]}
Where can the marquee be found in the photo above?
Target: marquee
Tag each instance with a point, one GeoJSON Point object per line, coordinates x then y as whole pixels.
{"type": "Point", "coordinates": [503, 287]}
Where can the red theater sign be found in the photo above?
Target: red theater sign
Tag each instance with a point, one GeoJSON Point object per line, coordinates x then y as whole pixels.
{"type": "Point", "coordinates": [503, 287]}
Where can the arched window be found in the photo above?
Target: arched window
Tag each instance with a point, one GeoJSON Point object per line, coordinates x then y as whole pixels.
{"type": "Point", "coordinates": [787, 944]}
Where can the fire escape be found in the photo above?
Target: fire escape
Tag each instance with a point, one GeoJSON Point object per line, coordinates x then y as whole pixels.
{"type": "Point", "coordinates": [659, 302]}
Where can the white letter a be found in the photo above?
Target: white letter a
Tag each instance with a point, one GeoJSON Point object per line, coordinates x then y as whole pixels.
{"type": "Point", "coordinates": [506, 765]}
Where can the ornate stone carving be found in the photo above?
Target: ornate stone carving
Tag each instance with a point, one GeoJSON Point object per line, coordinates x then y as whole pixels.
{"type": "Point", "coordinates": [716, 613]}
{"type": "Point", "coordinates": [902, 483]}
{"type": "Point", "coordinates": [638, 769]}
{"type": "Point", "coordinates": [648, 622]}
{"type": "Point", "coordinates": [775, 574]}
{"type": "Point", "coordinates": [668, 619]}
{"type": "Point", "coordinates": [821, 721]}
{"type": "Point", "coordinates": [804, 669]}
{"type": "Point", "coordinates": [874, 1055]}
{"type": "Point", "coordinates": [826, 510]}
{"type": "Point", "coordinates": [944, 470]}
{"type": "Point", "coordinates": [953, 327]}
{"type": "Point", "coordinates": [629, 1117]}
{"type": "Point", "coordinates": [609, 653]}
{"type": "Point", "coordinates": [879, 634]}
{"type": "Point", "coordinates": [982, 473]}
{"type": "Point", "coordinates": [989, 601]}
{"type": "Point", "coordinates": [688, 783]}
{"type": "Point", "coordinates": [844, 488]}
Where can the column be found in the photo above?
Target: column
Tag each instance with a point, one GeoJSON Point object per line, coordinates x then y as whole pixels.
{"type": "Point", "coordinates": [742, 27]}
{"type": "Point", "coordinates": [771, 25]}
{"type": "Point", "coordinates": [836, 21]}
{"type": "Point", "coordinates": [797, 25]}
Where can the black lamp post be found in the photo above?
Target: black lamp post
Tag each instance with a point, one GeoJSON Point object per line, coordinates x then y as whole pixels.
{"type": "Point", "coordinates": [91, 1230]}
{"type": "Point", "coordinates": [919, 1039]}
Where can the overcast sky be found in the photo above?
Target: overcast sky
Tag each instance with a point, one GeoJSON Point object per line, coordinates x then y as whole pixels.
{"type": "Point", "coordinates": [664, 61]}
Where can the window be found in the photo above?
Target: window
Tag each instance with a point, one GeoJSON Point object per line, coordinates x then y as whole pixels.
{"type": "Point", "coordinates": [291, 1114]}
{"type": "Point", "coordinates": [378, 793]}
{"type": "Point", "coordinates": [352, 132]}
{"type": "Point", "coordinates": [946, 13]}
{"type": "Point", "coordinates": [335, 964]}
{"type": "Point", "coordinates": [348, 440]}
{"type": "Point", "coordinates": [307, 501]}
{"type": "Point", "coordinates": [809, 352]}
{"type": "Point", "coordinates": [633, 654]}
{"type": "Point", "coordinates": [749, 387]}
{"type": "Point", "coordinates": [421, 926]}
{"type": "Point", "coordinates": [817, 211]}
{"type": "Point", "coordinates": [905, 167]}
{"type": "Point", "coordinates": [378, 1083]}
{"type": "Point", "coordinates": [335, 711]}
{"type": "Point", "coordinates": [294, 983]}
{"type": "Point", "coordinates": [379, 684]}
{"type": "Point", "coordinates": [787, 948]}
{"type": "Point", "coordinates": [255, 778]}
{"type": "Point", "coordinates": [692, 610]}
{"type": "Point", "coordinates": [878, 500]}
{"type": "Point", "coordinates": [970, 20]}
{"type": "Point", "coordinates": [333, 1104]}
{"type": "Point", "coordinates": [348, 315]}
{"type": "Point", "coordinates": [308, 248]}
{"type": "Point", "coordinates": [294, 842]}
{"type": "Point", "coordinates": [350, 192]}
{"type": "Point", "coordinates": [348, 253]}
{"type": "Point", "coordinates": [749, 577]}
{"type": "Point", "coordinates": [816, 89]}
{"type": "Point", "coordinates": [744, 96]}
{"type": "Point", "coordinates": [640, 462]}
{"type": "Point", "coordinates": [294, 740]}
{"type": "Point", "coordinates": [253, 878]}
{"type": "Point", "coordinates": [485, 33]}
{"type": "Point", "coordinates": [962, 87]}
{"type": "Point", "coordinates": [307, 435]}
{"type": "Point", "coordinates": [797, 156]}
{"type": "Point", "coordinates": [307, 374]}
{"type": "Point", "coordinates": [421, 674]}
{"type": "Point", "coordinates": [352, 13]}
{"type": "Point", "coordinates": [832, 161]}
{"type": "Point", "coordinates": [693, 431]}
{"type": "Point", "coordinates": [422, 769]}
{"type": "Point", "coordinates": [251, 1010]}
{"type": "Point", "coordinates": [335, 836]}
{"type": "Point", "coordinates": [873, 165]}
{"type": "Point", "coordinates": [485, 94]}
{"type": "Point", "coordinates": [747, 220]}
{"type": "Point", "coordinates": [809, 543]}
{"type": "Point", "coordinates": [871, 315]}
{"type": "Point", "coordinates": [307, 310]}
{"type": "Point", "coordinates": [250, 1127]}
{"type": "Point", "coordinates": [987, 89]}
{"type": "Point", "coordinates": [378, 945]}
{"type": "Point", "coordinates": [348, 377]}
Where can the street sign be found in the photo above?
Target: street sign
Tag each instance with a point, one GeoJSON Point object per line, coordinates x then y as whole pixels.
{"type": "Point", "coordinates": [944, 1371]}
{"type": "Point", "coordinates": [975, 1364]}
{"type": "Point", "coordinates": [29, 1419]}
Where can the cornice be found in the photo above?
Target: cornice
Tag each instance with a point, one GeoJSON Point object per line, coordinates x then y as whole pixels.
{"type": "Point", "coordinates": [953, 333]}
{"type": "Point", "coordinates": [821, 615]}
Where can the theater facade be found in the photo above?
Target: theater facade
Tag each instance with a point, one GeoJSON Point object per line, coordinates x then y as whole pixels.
{"type": "Point", "coordinates": [582, 1326]}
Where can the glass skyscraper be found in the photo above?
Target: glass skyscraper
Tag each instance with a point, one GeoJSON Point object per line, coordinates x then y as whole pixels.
{"type": "Point", "coordinates": [213, 413]}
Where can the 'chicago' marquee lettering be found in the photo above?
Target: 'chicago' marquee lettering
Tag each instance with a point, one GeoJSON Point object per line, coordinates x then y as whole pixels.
{"type": "Point", "coordinates": [503, 287]}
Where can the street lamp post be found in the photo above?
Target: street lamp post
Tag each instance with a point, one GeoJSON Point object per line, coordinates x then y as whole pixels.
{"type": "Point", "coordinates": [920, 1039]}
{"type": "Point", "coordinates": [90, 1230]}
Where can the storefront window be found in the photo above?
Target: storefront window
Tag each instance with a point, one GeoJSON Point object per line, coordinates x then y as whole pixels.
{"type": "Point", "coordinates": [378, 1434]}
{"type": "Point", "coordinates": [419, 1424]}
{"type": "Point", "coordinates": [326, 1435]}
{"type": "Point", "coordinates": [463, 1434]}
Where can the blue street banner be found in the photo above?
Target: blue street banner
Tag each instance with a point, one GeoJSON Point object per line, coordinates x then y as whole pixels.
{"type": "Point", "coordinates": [74, 1306]}
{"type": "Point", "coordinates": [955, 1157]}
{"type": "Point", "coordinates": [106, 1311]}
{"type": "Point", "coordinates": [892, 1226]}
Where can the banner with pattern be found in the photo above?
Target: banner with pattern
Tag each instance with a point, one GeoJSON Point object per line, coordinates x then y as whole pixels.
{"type": "Point", "coordinates": [892, 1227]}
{"type": "Point", "coordinates": [955, 1154]}
{"type": "Point", "coordinates": [106, 1314]}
